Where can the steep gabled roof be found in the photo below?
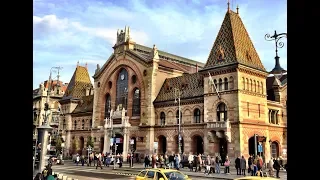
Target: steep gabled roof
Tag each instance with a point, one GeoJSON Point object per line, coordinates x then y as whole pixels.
{"type": "Point", "coordinates": [85, 105]}
{"type": "Point", "coordinates": [78, 83]}
{"type": "Point", "coordinates": [191, 85]}
{"type": "Point", "coordinates": [233, 45]}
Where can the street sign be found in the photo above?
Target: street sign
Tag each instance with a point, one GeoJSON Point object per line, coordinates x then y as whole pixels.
{"type": "Point", "coordinates": [155, 145]}
{"type": "Point", "coordinates": [259, 148]}
{"type": "Point", "coordinates": [131, 141]}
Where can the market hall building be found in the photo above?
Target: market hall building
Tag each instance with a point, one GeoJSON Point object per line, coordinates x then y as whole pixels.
{"type": "Point", "coordinates": [134, 97]}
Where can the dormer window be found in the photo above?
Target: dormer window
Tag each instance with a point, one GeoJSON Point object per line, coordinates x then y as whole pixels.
{"type": "Point", "coordinates": [220, 54]}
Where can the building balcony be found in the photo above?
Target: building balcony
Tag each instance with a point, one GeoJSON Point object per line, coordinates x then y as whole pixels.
{"type": "Point", "coordinates": [218, 124]}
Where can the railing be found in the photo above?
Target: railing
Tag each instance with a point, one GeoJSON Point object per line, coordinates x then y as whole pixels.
{"type": "Point", "coordinates": [218, 124]}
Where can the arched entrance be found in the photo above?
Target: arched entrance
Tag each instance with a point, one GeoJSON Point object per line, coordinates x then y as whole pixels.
{"type": "Point", "coordinates": [81, 146]}
{"type": "Point", "coordinates": [102, 144]}
{"type": "Point", "coordinates": [197, 144]}
{"type": "Point", "coordinates": [274, 149]}
{"type": "Point", "coordinates": [223, 148]}
{"type": "Point", "coordinates": [119, 141]}
{"type": "Point", "coordinates": [162, 144]}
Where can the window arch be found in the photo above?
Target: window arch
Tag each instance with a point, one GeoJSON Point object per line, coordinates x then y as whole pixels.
{"type": "Point", "coordinates": [75, 124]}
{"type": "Point", "coordinates": [64, 125]}
{"type": "Point", "coordinates": [215, 84]}
{"type": "Point", "coordinates": [274, 149]}
{"type": "Point", "coordinates": [247, 84]}
{"type": "Point", "coordinates": [261, 88]}
{"type": "Point", "coordinates": [82, 125]}
{"type": "Point", "coordinates": [255, 85]}
{"type": "Point", "coordinates": [177, 117]}
{"type": "Point", "coordinates": [231, 82]}
{"type": "Point", "coordinates": [136, 102]}
{"type": "Point", "coordinates": [222, 112]}
{"type": "Point", "coordinates": [220, 84]}
{"type": "Point", "coordinates": [107, 106]}
{"type": "Point", "coordinates": [162, 118]}
{"type": "Point", "coordinates": [226, 84]}
{"type": "Point", "coordinates": [122, 89]}
{"type": "Point", "coordinates": [196, 116]}
{"type": "Point", "coordinates": [243, 83]}
{"type": "Point", "coordinates": [251, 88]}
{"type": "Point", "coordinates": [258, 88]}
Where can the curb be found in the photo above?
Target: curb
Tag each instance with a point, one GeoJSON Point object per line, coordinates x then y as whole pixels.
{"type": "Point", "coordinates": [62, 177]}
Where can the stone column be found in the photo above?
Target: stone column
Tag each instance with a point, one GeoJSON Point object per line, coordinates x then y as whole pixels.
{"type": "Point", "coordinates": [206, 143]}
{"type": "Point", "coordinates": [106, 144]}
{"type": "Point", "coordinates": [125, 144]}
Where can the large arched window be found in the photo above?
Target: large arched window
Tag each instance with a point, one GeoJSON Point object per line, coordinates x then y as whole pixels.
{"type": "Point", "coordinates": [107, 106]}
{"type": "Point", "coordinates": [82, 125]}
{"type": "Point", "coordinates": [177, 117]}
{"type": "Point", "coordinates": [274, 149]}
{"type": "Point", "coordinates": [162, 118]}
{"type": "Point", "coordinates": [231, 82]}
{"type": "Point", "coordinates": [196, 116]}
{"type": "Point", "coordinates": [136, 103]}
{"type": "Point", "coordinates": [122, 89]}
{"type": "Point", "coordinates": [215, 85]}
{"type": "Point", "coordinates": [220, 84]}
{"type": "Point", "coordinates": [226, 84]}
{"type": "Point", "coordinates": [221, 112]}
{"type": "Point", "coordinates": [75, 124]}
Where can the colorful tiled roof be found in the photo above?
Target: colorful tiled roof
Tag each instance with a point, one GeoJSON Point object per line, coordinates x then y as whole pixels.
{"type": "Point", "coordinates": [191, 85]}
{"type": "Point", "coordinates": [78, 83]}
{"type": "Point", "coordinates": [233, 45]}
{"type": "Point", "coordinates": [85, 105]}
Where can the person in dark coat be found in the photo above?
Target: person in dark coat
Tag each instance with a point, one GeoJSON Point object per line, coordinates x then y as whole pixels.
{"type": "Point", "coordinates": [276, 166]}
{"type": "Point", "coordinates": [249, 164]}
{"type": "Point", "coordinates": [146, 161]}
{"type": "Point", "coordinates": [237, 162]}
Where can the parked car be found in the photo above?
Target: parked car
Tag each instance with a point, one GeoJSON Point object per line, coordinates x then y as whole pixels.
{"type": "Point", "coordinates": [161, 174]}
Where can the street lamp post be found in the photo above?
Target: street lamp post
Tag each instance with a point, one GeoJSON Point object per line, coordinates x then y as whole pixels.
{"type": "Point", "coordinates": [277, 70]}
{"type": "Point", "coordinates": [177, 95]}
{"type": "Point", "coordinates": [89, 149]}
{"type": "Point", "coordinates": [44, 129]}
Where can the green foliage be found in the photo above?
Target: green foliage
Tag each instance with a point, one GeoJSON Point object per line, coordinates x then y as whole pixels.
{"type": "Point", "coordinates": [90, 141]}
{"type": "Point", "coordinates": [59, 141]}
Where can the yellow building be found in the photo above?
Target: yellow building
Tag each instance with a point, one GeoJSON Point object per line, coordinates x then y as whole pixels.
{"type": "Point", "coordinates": [135, 95]}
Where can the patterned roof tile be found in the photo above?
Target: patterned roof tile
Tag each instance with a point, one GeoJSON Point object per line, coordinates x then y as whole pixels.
{"type": "Point", "coordinates": [233, 45]}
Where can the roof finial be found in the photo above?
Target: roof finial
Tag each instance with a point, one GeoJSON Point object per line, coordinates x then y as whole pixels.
{"type": "Point", "coordinates": [86, 65]}
{"type": "Point", "coordinates": [228, 5]}
{"type": "Point", "coordinates": [78, 63]}
{"type": "Point", "coordinates": [237, 9]}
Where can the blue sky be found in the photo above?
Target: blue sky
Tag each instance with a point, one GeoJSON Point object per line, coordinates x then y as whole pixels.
{"type": "Point", "coordinates": [67, 31]}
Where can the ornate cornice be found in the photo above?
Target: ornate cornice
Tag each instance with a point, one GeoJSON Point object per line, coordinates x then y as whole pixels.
{"type": "Point", "coordinates": [252, 72]}
{"type": "Point", "coordinates": [258, 124]}
{"type": "Point", "coordinates": [222, 93]}
{"type": "Point", "coordinates": [252, 93]}
{"type": "Point", "coordinates": [194, 100]}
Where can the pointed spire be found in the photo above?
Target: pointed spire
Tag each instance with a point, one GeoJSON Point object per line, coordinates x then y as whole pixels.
{"type": "Point", "coordinates": [228, 5]}
{"type": "Point", "coordinates": [237, 9]}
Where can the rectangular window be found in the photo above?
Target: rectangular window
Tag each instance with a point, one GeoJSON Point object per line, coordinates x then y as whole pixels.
{"type": "Point", "coordinates": [248, 108]}
{"type": "Point", "coordinates": [259, 109]}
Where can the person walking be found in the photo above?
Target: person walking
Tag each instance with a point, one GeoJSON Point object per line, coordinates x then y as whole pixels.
{"type": "Point", "coordinates": [190, 160]}
{"type": "Point", "coordinates": [77, 159]}
{"type": "Point", "coordinates": [217, 165]}
{"type": "Point", "coordinates": [243, 165]}
{"type": "Point", "coordinates": [270, 167]}
{"type": "Point", "coordinates": [276, 166]}
{"type": "Point", "coordinates": [237, 163]}
{"type": "Point", "coordinates": [99, 162]}
{"type": "Point", "coordinates": [227, 166]}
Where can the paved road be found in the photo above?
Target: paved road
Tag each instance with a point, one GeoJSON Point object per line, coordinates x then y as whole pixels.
{"type": "Point", "coordinates": [129, 173]}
